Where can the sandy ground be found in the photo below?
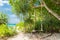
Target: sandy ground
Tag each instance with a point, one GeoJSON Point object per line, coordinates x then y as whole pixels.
{"type": "Point", "coordinates": [30, 36]}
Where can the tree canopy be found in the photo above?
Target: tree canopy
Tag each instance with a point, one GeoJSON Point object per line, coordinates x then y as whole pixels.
{"type": "Point", "coordinates": [28, 6]}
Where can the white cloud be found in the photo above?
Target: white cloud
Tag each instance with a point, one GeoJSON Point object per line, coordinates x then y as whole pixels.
{"type": "Point", "coordinates": [13, 20]}
{"type": "Point", "coordinates": [13, 16]}
{"type": "Point", "coordinates": [3, 2]}
{"type": "Point", "coordinates": [8, 9]}
{"type": "Point", "coordinates": [6, 2]}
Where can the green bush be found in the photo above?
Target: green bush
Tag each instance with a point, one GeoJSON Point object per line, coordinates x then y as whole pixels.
{"type": "Point", "coordinates": [5, 31]}
{"type": "Point", "coordinates": [20, 26]}
{"type": "Point", "coordinates": [50, 26]}
{"type": "Point", "coordinates": [24, 27]}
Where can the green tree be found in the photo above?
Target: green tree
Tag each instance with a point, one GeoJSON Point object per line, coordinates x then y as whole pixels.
{"type": "Point", "coordinates": [36, 10]}
{"type": "Point", "coordinates": [26, 6]}
{"type": "Point", "coordinates": [3, 18]}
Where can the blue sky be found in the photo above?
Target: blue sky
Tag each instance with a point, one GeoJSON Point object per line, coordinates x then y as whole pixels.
{"type": "Point", "coordinates": [6, 8]}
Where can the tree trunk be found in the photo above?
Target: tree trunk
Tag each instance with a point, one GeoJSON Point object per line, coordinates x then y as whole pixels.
{"type": "Point", "coordinates": [41, 27]}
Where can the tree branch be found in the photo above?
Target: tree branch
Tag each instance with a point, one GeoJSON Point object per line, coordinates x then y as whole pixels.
{"type": "Point", "coordinates": [49, 10]}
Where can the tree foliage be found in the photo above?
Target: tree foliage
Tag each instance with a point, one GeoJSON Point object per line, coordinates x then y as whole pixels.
{"type": "Point", "coordinates": [34, 14]}
{"type": "Point", "coordinates": [55, 5]}
{"type": "Point", "coordinates": [3, 18]}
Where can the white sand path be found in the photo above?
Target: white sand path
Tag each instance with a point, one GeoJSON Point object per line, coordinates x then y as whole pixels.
{"type": "Point", "coordinates": [22, 36]}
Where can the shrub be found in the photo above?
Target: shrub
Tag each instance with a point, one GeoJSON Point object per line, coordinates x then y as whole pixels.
{"type": "Point", "coordinates": [20, 26]}
{"type": "Point", "coordinates": [5, 31]}
{"type": "Point", "coordinates": [24, 27]}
